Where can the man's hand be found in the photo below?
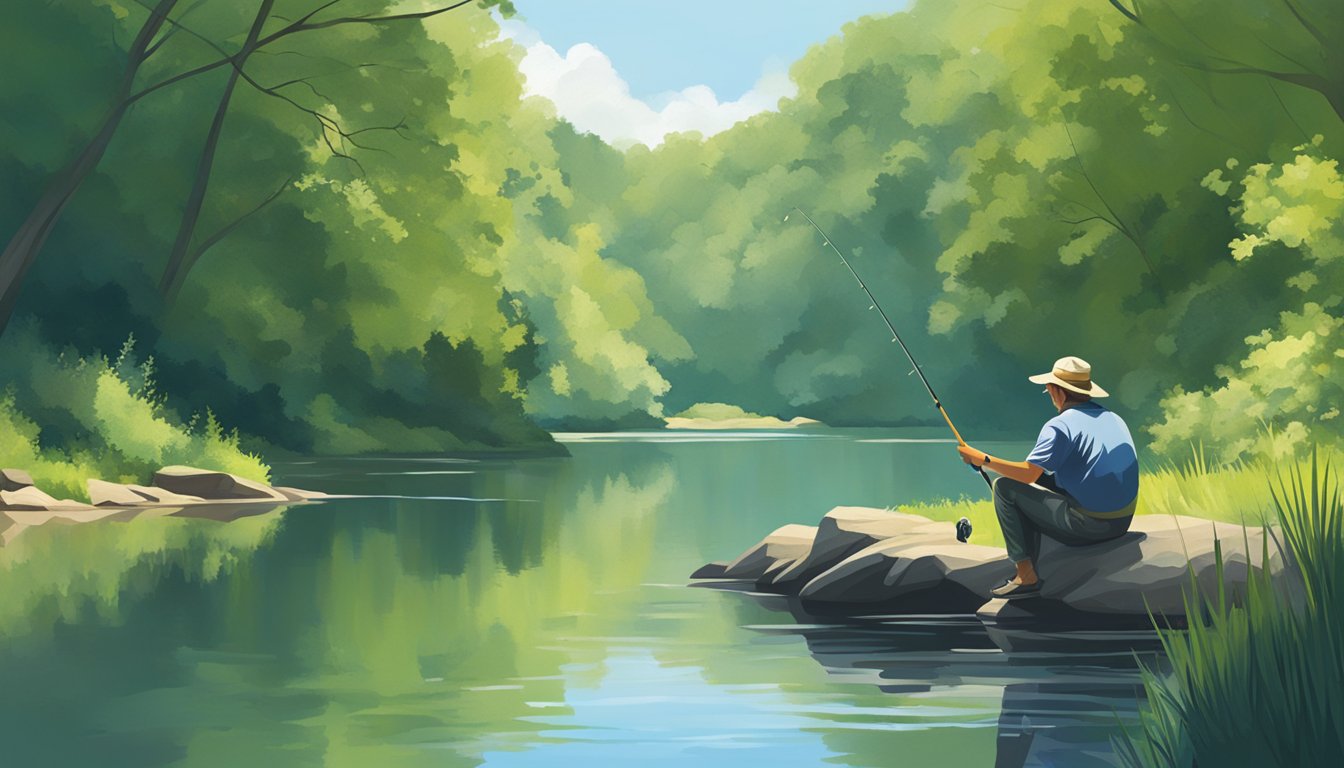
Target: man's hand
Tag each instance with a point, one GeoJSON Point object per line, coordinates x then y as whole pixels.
{"type": "Point", "coordinates": [1017, 470]}
{"type": "Point", "coordinates": [973, 456]}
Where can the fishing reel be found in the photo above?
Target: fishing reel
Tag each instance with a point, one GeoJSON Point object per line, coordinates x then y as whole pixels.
{"type": "Point", "coordinates": [963, 529]}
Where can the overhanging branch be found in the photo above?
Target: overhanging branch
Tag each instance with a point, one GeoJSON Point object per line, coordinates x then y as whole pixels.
{"type": "Point", "coordinates": [1131, 15]}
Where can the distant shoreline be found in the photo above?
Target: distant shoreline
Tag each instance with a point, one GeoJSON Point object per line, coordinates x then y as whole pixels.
{"type": "Point", "coordinates": [749, 422]}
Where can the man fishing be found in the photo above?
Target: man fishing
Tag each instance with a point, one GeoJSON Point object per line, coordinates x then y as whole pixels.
{"type": "Point", "coordinates": [1093, 485]}
{"type": "Point", "coordinates": [1079, 485]}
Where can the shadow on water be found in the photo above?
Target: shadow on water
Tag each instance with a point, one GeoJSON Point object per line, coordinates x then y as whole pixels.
{"type": "Point", "coordinates": [1062, 707]}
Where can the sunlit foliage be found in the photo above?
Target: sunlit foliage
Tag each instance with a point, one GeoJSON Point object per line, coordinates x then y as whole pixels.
{"type": "Point", "coordinates": [1154, 189]}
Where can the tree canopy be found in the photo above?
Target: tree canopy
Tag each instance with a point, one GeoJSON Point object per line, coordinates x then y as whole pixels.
{"type": "Point", "coordinates": [411, 256]}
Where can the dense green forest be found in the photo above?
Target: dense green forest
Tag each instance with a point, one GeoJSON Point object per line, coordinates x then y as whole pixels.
{"type": "Point", "coordinates": [341, 228]}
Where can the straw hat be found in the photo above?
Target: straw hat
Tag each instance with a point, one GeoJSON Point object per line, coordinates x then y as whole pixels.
{"type": "Point", "coordinates": [1073, 374]}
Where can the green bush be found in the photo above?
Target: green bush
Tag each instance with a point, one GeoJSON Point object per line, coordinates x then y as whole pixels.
{"type": "Point", "coordinates": [66, 419]}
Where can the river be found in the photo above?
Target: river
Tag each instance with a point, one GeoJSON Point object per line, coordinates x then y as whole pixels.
{"type": "Point", "coordinates": [520, 612]}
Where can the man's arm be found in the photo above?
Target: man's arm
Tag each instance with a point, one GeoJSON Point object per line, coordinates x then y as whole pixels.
{"type": "Point", "coordinates": [1021, 471]}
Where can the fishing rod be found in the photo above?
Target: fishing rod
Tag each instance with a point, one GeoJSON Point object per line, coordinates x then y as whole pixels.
{"type": "Point", "coordinates": [896, 337]}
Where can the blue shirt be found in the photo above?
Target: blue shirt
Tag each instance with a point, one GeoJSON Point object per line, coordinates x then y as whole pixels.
{"type": "Point", "coordinates": [1091, 454]}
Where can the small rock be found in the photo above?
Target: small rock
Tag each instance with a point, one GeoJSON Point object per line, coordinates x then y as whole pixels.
{"type": "Point", "coordinates": [212, 485]}
{"type": "Point", "coordinates": [14, 479]}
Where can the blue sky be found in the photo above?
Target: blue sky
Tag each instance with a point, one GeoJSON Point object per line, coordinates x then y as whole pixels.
{"type": "Point", "coordinates": [660, 46]}
{"type": "Point", "coordinates": [633, 71]}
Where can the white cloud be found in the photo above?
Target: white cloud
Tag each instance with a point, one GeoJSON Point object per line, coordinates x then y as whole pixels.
{"type": "Point", "coordinates": [588, 92]}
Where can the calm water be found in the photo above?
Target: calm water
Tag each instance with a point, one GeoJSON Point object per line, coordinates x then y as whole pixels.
{"type": "Point", "coordinates": [518, 613]}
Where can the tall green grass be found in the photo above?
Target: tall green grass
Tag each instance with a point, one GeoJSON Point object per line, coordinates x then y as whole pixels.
{"type": "Point", "coordinates": [1235, 493]}
{"type": "Point", "coordinates": [1259, 682]}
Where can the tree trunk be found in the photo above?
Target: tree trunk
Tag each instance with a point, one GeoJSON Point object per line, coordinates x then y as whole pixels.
{"type": "Point", "coordinates": [32, 234]}
{"type": "Point", "coordinates": [180, 258]}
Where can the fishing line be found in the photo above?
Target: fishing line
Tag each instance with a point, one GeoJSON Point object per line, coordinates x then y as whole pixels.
{"type": "Point", "coordinates": [896, 337]}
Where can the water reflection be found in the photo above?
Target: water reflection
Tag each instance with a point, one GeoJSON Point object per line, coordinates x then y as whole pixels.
{"type": "Point", "coordinates": [551, 627]}
{"type": "Point", "coordinates": [1058, 708]}
{"type": "Point", "coordinates": [359, 631]}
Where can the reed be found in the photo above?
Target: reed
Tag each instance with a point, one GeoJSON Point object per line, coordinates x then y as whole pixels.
{"type": "Point", "coordinates": [1259, 681]}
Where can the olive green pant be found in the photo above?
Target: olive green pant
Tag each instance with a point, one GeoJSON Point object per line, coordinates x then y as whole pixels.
{"type": "Point", "coordinates": [1027, 511]}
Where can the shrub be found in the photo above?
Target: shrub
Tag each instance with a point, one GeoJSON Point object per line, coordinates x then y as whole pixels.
{"type": "Point", "coordinates": [66, 418]}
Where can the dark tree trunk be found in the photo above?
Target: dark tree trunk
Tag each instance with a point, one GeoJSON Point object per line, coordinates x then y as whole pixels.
{"type": "Point", "coordinates": [32, 234]}
{"type": "Point", "coordinates": [181, 257]}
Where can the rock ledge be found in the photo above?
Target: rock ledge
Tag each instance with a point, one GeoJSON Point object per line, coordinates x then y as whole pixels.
{"type": "Point", "coordinates": [860, 560]}
{"type": "Point", "coordinates": [174, 486]}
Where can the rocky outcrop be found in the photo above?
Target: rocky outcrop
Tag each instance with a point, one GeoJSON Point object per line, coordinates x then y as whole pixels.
{"type": "Point", "coordinates": [214, 486]}
{"type": "Point", "coordinates": [14, 479]}
{"type": "Point", "coordinates": [24, 506]}
{"type": "Point", "coordinates": [929, 573]}
{"type": "Point", "coordinates": [777, 551]}
{"type": "Point", "coordinates": [30, 498]}
{"type": "Point", "coordinates": [844, 531]}
{"type": "Point", "coordinates": [860, 560]}
{"type": "Point", "coordinates": [1157, 566]}
{"type": "Point", "coordinates": [18, 494]}
{"type": "Point", "coordinates": [105, 494]}
{"type": "Point", "coordinates": [159, 496]}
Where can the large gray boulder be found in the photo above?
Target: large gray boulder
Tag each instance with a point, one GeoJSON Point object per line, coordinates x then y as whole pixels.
{"type": "Point", "coordinates": [871, 560]}
{"type": "Point", "coordinates": [863, 560]}
{"type": "Point", "coordinates": [841, 533]}
{"type": "Point", "coordinates": [1145, 575]}
{"type": "Point", "coordinates": [779, 550]}
{"type": "Point", "coordinates": [213, 485]}
{"type": "Point", "coordinates": [925, 571]}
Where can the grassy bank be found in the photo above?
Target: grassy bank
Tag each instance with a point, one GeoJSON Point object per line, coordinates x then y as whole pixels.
{"type": "Point", "coordinates": [1234, 494]}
